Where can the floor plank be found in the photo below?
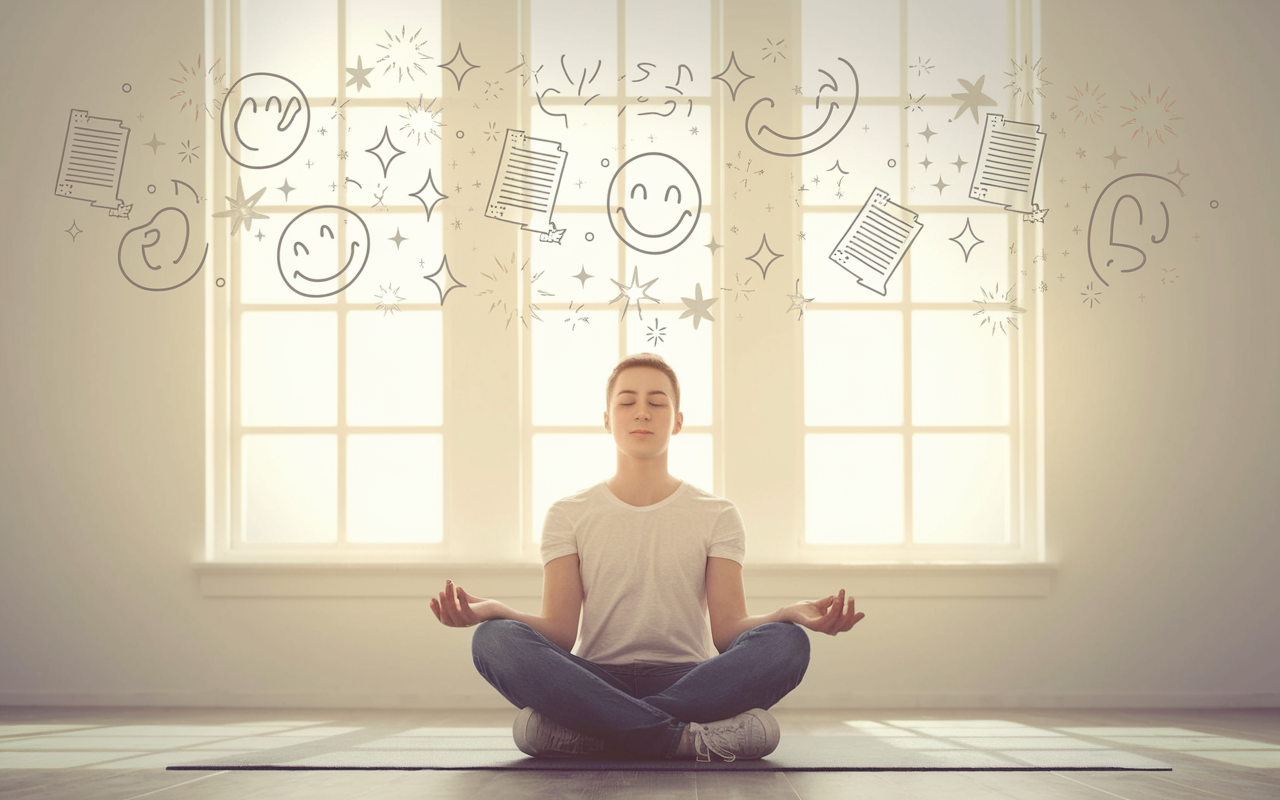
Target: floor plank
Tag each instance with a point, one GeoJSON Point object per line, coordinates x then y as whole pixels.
{"type": "Point", "coordinates": [1191, 741]}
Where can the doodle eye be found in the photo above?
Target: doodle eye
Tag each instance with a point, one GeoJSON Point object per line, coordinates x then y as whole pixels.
{"type": "Point", "coordinates": [296, 245]}
{"type": "Point", "coordinates": [324, 228]}
{"type": "Point", "coordinates": [639, 186]}
{"type": "Point", "coordinates": [667, 196]}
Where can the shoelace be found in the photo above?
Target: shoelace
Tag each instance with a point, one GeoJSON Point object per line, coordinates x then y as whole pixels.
{"type": "Point", "coordinates": [708, 740]}
{"type": "Point", "coordinates": [567, 740]}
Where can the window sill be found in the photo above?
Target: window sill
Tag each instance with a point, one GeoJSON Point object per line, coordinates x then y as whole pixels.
{"type": "Point", "coordinates": [505, 581]}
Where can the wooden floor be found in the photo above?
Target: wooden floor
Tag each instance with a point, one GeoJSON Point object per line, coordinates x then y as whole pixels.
{"type": "Point", "coordinates": [1225, 753]}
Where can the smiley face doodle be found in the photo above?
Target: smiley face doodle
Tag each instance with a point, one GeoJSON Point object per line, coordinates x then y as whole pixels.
{"type": "Point", "coordinates": [833, 124]}
{"type": "Point", "coordinates": [661, 203]}
{"type": "Point", "coordinates": [264, 121]}
{"type": "Point", "coordinates": [1113, 225]}
{"type": "Point", "coordinates": [157, 255]}
{"type": "Point", "coordinates": [312, 258]}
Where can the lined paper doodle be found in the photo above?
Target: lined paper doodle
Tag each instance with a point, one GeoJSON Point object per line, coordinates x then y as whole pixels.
{"type": "Point", "coordinates": [527, 182]}
{"type": "Point", "coordinates": [1008, 163]}
{"type": "Point", "coordinates": [876, 241]}
{"type": "Point", "coordinates": [92, 161]}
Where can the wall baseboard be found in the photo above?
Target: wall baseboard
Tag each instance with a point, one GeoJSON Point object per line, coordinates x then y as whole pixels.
{"type": "Point", "coordinates": [492, 701]}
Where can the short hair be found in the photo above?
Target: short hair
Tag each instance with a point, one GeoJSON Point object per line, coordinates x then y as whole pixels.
{"type": "Point", "coordinates": [644, 360]}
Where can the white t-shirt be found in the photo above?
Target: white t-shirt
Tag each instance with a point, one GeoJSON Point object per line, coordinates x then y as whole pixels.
{"type": "Point", "coordinates": [644, 570]}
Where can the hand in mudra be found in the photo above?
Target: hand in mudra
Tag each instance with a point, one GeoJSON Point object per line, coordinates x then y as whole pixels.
{"type": "Point", "coordinates": [827, 615]}
{"type": "Point", "coordinates": [457, 609]}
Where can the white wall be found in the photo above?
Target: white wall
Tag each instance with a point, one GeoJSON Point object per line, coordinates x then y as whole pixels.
{"type": "Point", "coordinates": [1161, 431]}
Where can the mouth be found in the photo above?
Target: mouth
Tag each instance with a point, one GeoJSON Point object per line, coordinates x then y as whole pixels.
{"type": "Point", "coordinates": [639, 232]}
{"type": "Point", "coordinates": [642, 433]}
{"type": "Point", "coordinates": [352, 255]}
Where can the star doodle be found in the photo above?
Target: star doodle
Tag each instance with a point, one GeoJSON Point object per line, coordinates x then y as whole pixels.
{"type": "Point", "coordinates": [286, 188]}
{"type": "Point", "coordinates": [582, 276]}
{"type": "Point", "coordinates": [740, 289]}
{"type": "Point", "coordinates": [735, 80]}
{"type": "Point", "coordinates": [995, 302]}
{"type": "Point", "coordinates": [1090, 296]}
{"type": "Point", "coordinates": [1115, 158]}
{"type": "Point", "coordinates": [656, 333]}
{"type": "Point", "coordinates": [429, 198]}
{"type": "Point", "coordinates": [397, 238]}
{"type": "Point", "coordinates": [697, 306]}
{"type": "Point", "coordinates": [380, 151]}
{"type": "Point", "coordinates": [387, 300]}
{"type": "Point", "coordinates": [448, 65]}
{"type": "Point", "coordinates": [635, 291]}
{"type": "Point", "coordinates": [798, 301]}
{"type": "Point", "coordinates": [359, 75]}
{"type": "Point", "coordinates": [713, 247]}
{"type": "Point", "coordinates": [74, 230]}
{"type": "Point", "coordinates": [940, 185]}
{"type": "Point", "coordinates": [155, 144]}
{"type": "Point", "coordinates": [966, 240]}
{"type": "Point", "coordinates": [972, 97]}
{"type": "Point", "coordinates": [764, 248]}
{"type": "Point", "coordinates": [242, 210]}
{"type": "Point", "coordinates": [450, 281]}
{"type": "Point", "coordinates": [927, 133]}
{"type": "Point", "coordinates": [959, 162]}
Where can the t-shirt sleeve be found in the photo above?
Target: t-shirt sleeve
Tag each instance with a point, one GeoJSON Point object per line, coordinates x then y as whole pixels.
{"type": "Point", "coordinates": [558, 538]}
{"type": "Point", "coordinates": [729, 536]}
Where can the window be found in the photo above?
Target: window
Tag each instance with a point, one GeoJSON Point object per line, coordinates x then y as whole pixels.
{"type": "Point", "coordinates": [375, 424]}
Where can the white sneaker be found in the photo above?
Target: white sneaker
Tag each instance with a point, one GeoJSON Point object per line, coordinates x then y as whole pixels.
{"type": "Point", "coordinates": [538, 736]}
{"type": "Point", "coordinates": [752, 734]}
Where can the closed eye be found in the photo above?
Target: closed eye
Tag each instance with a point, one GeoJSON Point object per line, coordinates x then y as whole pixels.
{"type": "Point", "coordinates": [296, 245]}
{"type": "Point", "coordinates": [639, 186]}
{"type": "Point", "coordinates": [667, 196]}
{"type": "Point", "coordinates": [324, 228]}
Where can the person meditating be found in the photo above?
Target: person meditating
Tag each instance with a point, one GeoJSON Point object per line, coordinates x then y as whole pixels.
{"type": "Point", "coordinates": [651, 566]}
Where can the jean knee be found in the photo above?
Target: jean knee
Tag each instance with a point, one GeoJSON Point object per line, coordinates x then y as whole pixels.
{"type": "Point", "coordinates": [491, 634]}
{"type": "Point", "coordinates": [793, 641]}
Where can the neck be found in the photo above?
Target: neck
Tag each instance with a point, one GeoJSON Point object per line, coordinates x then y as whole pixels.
{"type": "Point", "coordinates": [642, 481]}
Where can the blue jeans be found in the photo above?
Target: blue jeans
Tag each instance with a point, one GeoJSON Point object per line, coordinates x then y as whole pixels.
{"type": "Point", "coordinates": [641, 710]}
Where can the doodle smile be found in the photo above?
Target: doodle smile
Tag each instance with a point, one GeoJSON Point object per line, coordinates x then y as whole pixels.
{"type": "Point", "coordinates": [667, 232]}
{"type": "Point", "coordinates": [298, 273]}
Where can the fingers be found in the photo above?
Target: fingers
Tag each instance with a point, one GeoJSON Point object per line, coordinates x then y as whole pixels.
{"type": "Point", "coordinates": [838, 618]}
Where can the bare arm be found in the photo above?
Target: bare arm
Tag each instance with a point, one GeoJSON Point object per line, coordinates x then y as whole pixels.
{"type": "Point", "coordinates": [561, 605]}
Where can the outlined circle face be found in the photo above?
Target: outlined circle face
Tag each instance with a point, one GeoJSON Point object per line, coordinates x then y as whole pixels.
{"type": "Point", "coordinates": [158, 255]}
{"type": "Point", "coordinates": [660, 203]}
{"type": "Point", "coordinates": [264, 121]}
{"type": "Point", "coordinates": [321, 252]}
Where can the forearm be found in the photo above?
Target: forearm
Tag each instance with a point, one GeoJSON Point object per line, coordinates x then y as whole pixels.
{"type": "Point", "coordinates": [540, 624]}
{"type": "Point", "coordinates": [733, 630]}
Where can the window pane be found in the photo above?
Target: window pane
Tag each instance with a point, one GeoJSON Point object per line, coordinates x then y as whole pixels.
{"type": "Point", "coordinates": [566, 463]}
{"type": "Point", "coordinates": [968, 40]}
{"type": "Point", "coordinates": [688, 351]}
{"type": "Point", "coordinates": [571, 367]}
{"type": "Point", "coordinates": [585, 33]}
{"type": "Point", "coordinates": [401, 41]}
{"type": "Point", "coordinates": [825, 280]}
{"type": "Point", "coordinates": [691, 458]}
{"type": "Point", "coordinates": [294, 38]}
{"type": "Point", "coordinates": [862, 155]}
{"type": "Point", "coordinates": [853, 488]}
{"type": "Point", "coordinates": [960, 488]}
{"type": "Point", "coordinates": [394, 488]}
{"type": "Point", "coordinates": [865, 32]}
{"type": "Point", "coordinates": [853, 368]}
{"type": "Point", "coordinates": [289, 486]}
{"type": "Point", "coordinates": [577, 270]}
{"type": "Point", "coordinates": [260, 278]}
{"type": "Point", "coordinates": [288, 368]}
{"type": "Point", "coordinates": [939, 271]}
{"type": "Point", "coordinates": [959, 371]}
{"type": "Point", "coordinates": [651, 38]}
{"type": "Point", "coordinates": [394, 368]}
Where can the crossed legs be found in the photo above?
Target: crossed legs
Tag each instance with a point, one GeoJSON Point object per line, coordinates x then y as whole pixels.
{"type": "Point", "coordinates": [759, 668]}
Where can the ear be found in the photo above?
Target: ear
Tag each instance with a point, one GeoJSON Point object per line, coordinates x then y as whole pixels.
{"type": "Point", "coordinates": [679, 423]}
{"type": "Point", "coordinates": [606, 423]}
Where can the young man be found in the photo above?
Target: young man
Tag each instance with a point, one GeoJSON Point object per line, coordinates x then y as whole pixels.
{"type": "Point", "coordinates": [644, 561]}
